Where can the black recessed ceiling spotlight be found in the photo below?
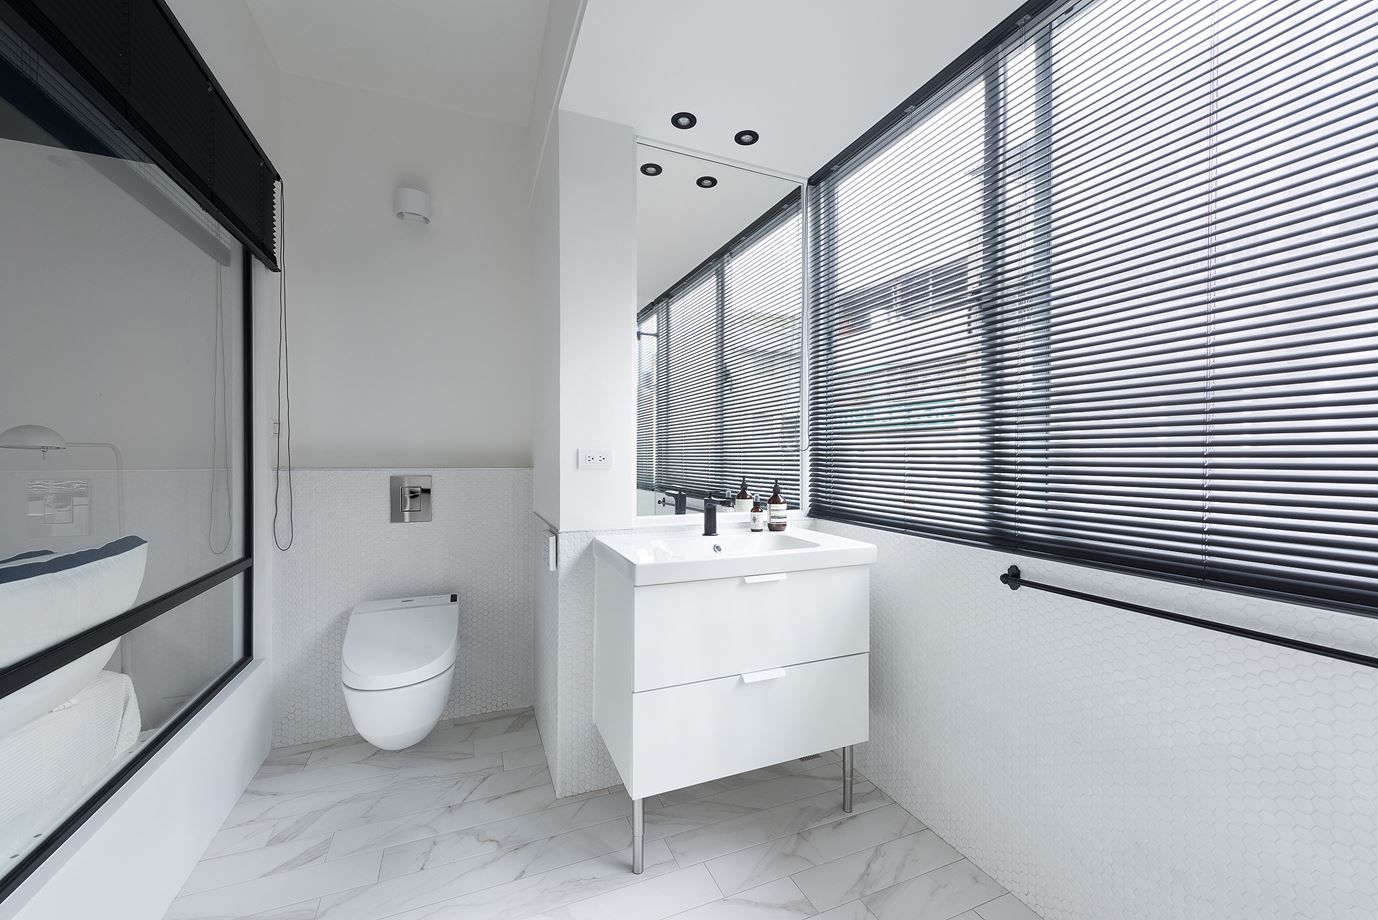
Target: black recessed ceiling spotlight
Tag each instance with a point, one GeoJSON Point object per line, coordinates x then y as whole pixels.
{"type": "Point", "coordinates": [706, 182]}
{"type": "Point", "coordinates": [684, 120]}
{"type": "Point", "coordinates": [651, 169]}
{"type": "Point", "coordinates": [746, 138]}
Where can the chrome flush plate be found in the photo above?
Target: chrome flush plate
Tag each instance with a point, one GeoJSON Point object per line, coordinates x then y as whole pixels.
{"type": "Point", "coordinates": [410, 498]}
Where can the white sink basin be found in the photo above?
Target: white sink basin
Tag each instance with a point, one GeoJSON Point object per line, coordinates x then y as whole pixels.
{"type": "Point", "coordinates": [657, 559]}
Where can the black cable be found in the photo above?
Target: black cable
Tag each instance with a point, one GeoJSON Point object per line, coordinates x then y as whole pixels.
{"type": "Point", "coordinates": [284, 389]}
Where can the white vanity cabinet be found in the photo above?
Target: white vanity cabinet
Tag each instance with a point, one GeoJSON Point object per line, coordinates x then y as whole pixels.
{"type": "Point", "coordinates": [705, 678]}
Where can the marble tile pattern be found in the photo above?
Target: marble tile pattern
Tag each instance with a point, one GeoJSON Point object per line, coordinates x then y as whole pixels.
{"type": "Point", "coordinates": [452, 829]}
{"type": "Point", "coordinates": [347, 551]}
{"type": "Point", "coordinates": [1208, 775]}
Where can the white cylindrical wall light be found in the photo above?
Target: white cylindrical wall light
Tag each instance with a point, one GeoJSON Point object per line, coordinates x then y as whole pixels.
{"type": "Point", "coordinates": [412, 204]}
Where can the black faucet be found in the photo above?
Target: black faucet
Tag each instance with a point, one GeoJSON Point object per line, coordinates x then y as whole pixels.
{"type": "Point", "coordinates": [710, 516]}
{"type": "Point", "coordinates": [681, 502]}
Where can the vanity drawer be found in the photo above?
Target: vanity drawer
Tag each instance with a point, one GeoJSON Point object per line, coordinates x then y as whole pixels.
{"type": "Point", "coordinates": [698, 732]}
{"type": "Point", "coordinates": [705, 629]}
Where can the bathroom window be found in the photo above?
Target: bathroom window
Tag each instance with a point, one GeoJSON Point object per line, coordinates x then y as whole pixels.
{"type": "Point", "coordinates": [1108, 296]}
{"type": "Point", "coordinates": [718, 396]}
{"type": "Point", "coordinates": [125, 556]}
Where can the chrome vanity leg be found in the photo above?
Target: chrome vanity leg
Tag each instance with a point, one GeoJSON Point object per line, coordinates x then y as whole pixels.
{"type": "Point", "coordinates": [638, 827]}
{"type": "Point", "coordinates": [847, 764]}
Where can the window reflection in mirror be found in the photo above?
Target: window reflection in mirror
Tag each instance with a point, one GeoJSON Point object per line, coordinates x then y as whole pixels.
{"type": "Point", "coordinates": [719, 333]}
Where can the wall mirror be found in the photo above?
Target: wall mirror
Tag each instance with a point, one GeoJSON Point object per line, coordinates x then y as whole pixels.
{"type": "Point", "coordinates": [719, 329]}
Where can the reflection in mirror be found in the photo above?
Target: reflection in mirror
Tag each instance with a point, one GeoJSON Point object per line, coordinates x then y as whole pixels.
{"type": "Point", "coordinates": [719, 332]}
{"type": "Point", "coordinates": [121, 446]}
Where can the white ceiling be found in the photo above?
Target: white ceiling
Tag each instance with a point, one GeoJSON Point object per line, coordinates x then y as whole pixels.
{"type": "Point", "coordinates": [678, 224]}
{"type": "Point", "coordinates": [809, 77]}
{"type": "Point", "coordinates": [478, 57]}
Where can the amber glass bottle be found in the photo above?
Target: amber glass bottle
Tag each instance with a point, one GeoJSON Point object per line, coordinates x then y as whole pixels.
{"type": "Point", "coordinates": [743, 502]}
{"type": "Point", "coordinates": [776, 509]}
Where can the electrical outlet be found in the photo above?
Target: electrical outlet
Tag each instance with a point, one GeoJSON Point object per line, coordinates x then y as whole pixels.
{"type": "Point", "coordinates": [595, 458]}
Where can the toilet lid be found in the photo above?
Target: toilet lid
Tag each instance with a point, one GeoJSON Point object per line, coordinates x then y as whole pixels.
{"type": "Point", "coordinates": [396, 643]}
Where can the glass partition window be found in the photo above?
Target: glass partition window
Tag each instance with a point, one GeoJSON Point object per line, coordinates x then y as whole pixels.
{"type": "Point", "coordinates": [1109, 296]}
{"type": "Point", "coordinates": [719, 370]}
{"type": "Point", "coordinates": [122, 445]}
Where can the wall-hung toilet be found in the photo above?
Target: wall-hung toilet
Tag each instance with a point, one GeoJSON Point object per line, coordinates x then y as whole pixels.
{"type": "Point", "coordinates": [398, 664]}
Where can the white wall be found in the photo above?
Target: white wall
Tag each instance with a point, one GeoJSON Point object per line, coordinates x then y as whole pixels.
{"type": "Point", "coordinates": [584, 246]}
{"type": "Point", "coordinates": [557, 48]}
{"type": "Point", "coordinates": [1100, 763]}
{"type": "Point", "coordinates": [347, 551]}
{"type": "Point", "coordinates": [411, 344]}
{"type": "Point", "coordinates": [545, 271]}
{"type": "Point", "coordinates": [583, 219]}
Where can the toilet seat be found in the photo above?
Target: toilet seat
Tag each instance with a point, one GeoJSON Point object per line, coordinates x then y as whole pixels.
{"type": "Point", "coordinates": [396, 643]}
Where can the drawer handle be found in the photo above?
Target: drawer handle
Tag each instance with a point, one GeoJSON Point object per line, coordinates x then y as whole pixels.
{"type": "Point", "coordinates": [755, 677]}
{"type": "Point", "coordinates": [762, 579]}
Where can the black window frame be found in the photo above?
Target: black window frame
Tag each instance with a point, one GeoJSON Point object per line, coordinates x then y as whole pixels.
{"type": "Point", "coordinates": [1030, 25]}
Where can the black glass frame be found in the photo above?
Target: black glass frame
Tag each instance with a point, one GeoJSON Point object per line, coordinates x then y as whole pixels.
{"type": "Point", "coordinates": [25, 672]}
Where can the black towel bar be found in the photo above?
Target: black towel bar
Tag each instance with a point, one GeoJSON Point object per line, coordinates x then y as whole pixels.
{"type": "Point", "coordinates": [1015, 580]}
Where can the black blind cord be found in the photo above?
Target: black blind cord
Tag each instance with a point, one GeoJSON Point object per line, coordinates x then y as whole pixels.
{"type": "Point", "coordinates": [284, 398]}
{"type": "Point", "coordinates": [220, 380]}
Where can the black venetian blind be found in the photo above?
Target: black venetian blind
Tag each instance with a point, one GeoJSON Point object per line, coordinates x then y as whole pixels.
{"type": "Point", "coordinates": [719, 372]}
{"type": "Point", "coordinates": [133, 59]}
{"type": "Point", "coordinates": [1111, 295]}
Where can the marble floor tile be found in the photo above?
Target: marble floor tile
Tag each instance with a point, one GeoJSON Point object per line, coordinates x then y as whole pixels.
{"type": "Point", "coordinates": [300, 752]}
{"type": "Point", "coordinates": [239, 838]}
{"type": "Point", "coordinates": [454, 880]}
{"type": "Point", "coordinates": [315, 780]}
{"type": "Point", "coordinates": [777, 900]}
{"type": "Point", "coordinates": [669, 820]}
{"type": "Point", "coordinates": [465, 826]}
{"type": "Point", "coordinates": [410, 799]}
{"type": "Point", "coordinates": [1006, 907]}
{"type": "Point", "coordinates": [380, 834]}
{"type": "Point", "coordinates": [725, 837]}
{"type": "Point", "coordinates": [496, 723]}
{"type": "Point", "coordinates": [303, 910]}
{"type": "Point", "coordinates": [508, 741]}
{"type": "Point", "coordinates": [813, 847]}
{"type": "Point", "coordinates": [938, 895]}
{"type": "Point", "coordinates": [653, 899]}
{"type": "Point", "coordinates": [872, 869]}
{"type": "Point", "coordinates": [277, 891]}
{"type": "Point", "coordinates": [782, 789]}
{"type": "Point", "coordinates": [852, 910]}
{"type": "Point", "coordinates": [254, 806]}
{"type": "Point", "coordinates": [788, 768]}
{"type": "Point", "coordinates": [523, 757]}
{"type": "Point", "coordinates": [562, 817]}
{"type": "Point", "coordinates": [254, 864]}
{"type": "Point", "coordinates": [537, 855]}
{"type": "Point", "coordinates": [528, 897]}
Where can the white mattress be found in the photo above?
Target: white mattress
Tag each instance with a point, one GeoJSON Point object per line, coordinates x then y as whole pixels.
{"type": "Point", "coordinates": [54, 762]}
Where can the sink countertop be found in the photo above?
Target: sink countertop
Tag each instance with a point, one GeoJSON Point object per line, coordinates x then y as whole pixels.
{"type": "Point", "coordinates": [650, 559]}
